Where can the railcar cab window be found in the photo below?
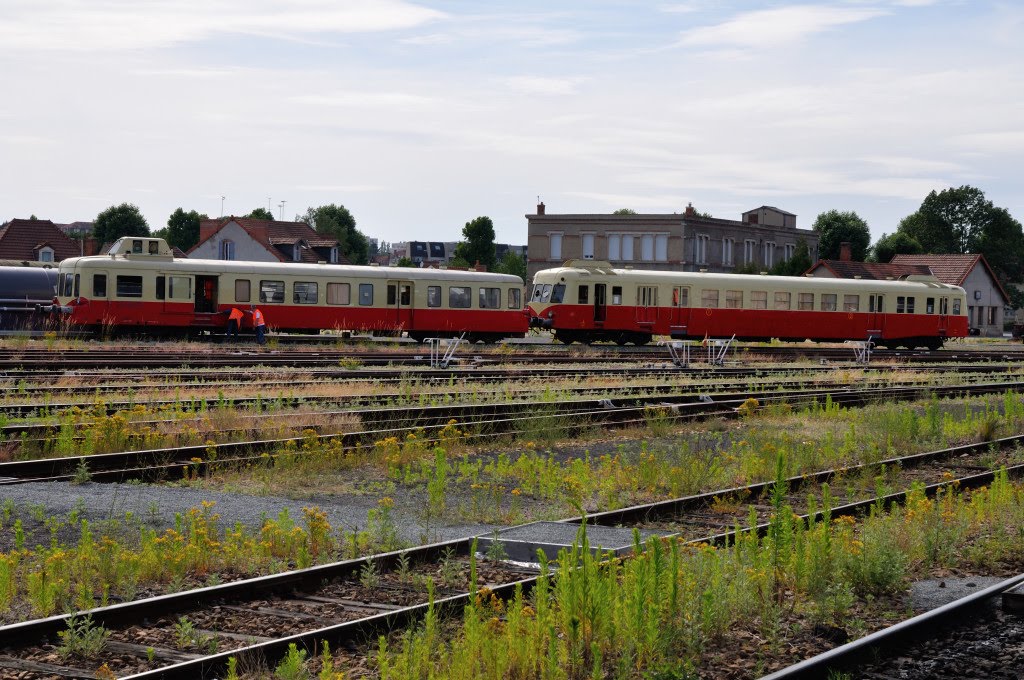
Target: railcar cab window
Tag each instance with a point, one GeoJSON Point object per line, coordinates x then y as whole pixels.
{"type": "Point", "coordinates": [434, 296]}
{"type": "Point", "coordinates": [366, 294]}
{"type": "Point", "coordinates": [65, 285]}
{"type": "Point", "coordinates": [515, 301]}
{"type": "Point", "coordinates": [242, 290]}
{"type": "Point", "coordinates": [616, 295]}
{"type": "Point", "coordinates": [339, 294]}
{"type": "Point", "coordinates": [490, 298]}
{"type": "Point", "coordinates": [137, 246]}
{"type": "Point", "coordinates": [956, 306]}
{"type": "Point", "coordinates": [558, 292]}
{"type": "Point", "coordinates": [828, 302]}
{"type": "Point", "coordinates": [99, 285]}
{"type": "Point", "coordinates": [538, 291]}
{"type": "Point", "coordinates": [154, 247]}
{"type": "Point", "coordinates": [583, 295]}
{"type": "Point", "coordinates": [305, 292]}
{"type": "Point", "coordinates": [129, 286]}
{"type": "Point", "coordinates": [460, 297]}
{"type": "Point", "coordinates": [272, 291]}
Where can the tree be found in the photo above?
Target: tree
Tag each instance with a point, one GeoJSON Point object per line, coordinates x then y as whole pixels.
{"type": "Point", "coordinates": [891, 245]}
{"type": "Point", "coordinates": [117, 221]}
{"type": "Point", "coordinates": [624, 211]}
{"type": "Point", "coordinates": [796, 265]}
{"type": "Point", "coordinates": [405, 262]}
{"type": "Point", "coordinates": [183, 228]}
{"type": "Point", "coordinates": [261, 214]}
{"type": "Point", "coordinates": [835, 227]}
{"type": "Point", "coordinates": [478, 245]}
{"type": "Point", "coordinates": [336, 221]}
{"type": "Point", "coordinates": [513, 264]}
{"type": "Point", "coordinates": [963, 221]}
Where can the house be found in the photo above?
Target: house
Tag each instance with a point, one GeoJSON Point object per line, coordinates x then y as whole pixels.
{"type": "Point", "coordinates": [36, 241]}
{"type": "Point", "coordinates": [986, 298]}
{"type": "Point", "coordinates": [686, 241]}
{"type": "Point", "coordinates": [256, 240]}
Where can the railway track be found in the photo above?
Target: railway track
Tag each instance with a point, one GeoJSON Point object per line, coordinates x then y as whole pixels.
{"type": "Point", "coordinates": [478, 421]}
{"type": "Point", "coordinates": [349, 603]}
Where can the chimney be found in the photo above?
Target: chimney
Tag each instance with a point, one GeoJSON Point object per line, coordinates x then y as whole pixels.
{"type": "Point", "coordinates": [690, 212]}
{"type": "Point", "coordinates": [540, 208]}
{"type": "Point", "coordinates": [844, 251]}
{"type": "Point", "coordinates": [482, 267]}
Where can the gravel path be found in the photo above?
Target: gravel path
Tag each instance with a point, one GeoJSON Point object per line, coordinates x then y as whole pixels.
{"type": "Point", "coordinates": [156, 506]}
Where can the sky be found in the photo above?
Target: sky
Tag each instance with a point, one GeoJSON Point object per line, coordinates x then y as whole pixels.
{"type": "Point", "coordinates": [421, 116]}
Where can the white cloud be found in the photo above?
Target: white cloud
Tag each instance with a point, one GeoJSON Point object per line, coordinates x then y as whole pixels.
{"type": "Point", "coordinates": [1003, 142]}
{"type": "Point", "coordinates": [127, 24]}
{"type": "Point", "coordinates": [775, 27]}
{"type": "Point", "coordinates": [342, 188]}
{"type": "Point", "coordinates": [391, 100]}
{"type": "Point", "coordinates": [542, 86]}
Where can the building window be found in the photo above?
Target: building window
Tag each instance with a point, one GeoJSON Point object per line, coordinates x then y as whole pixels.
{"type": "Point", "coordinates": [727, 247]}
{"type": "Point", "coordinates": [700, 248]}
{"type": "Point", "coordinates": [555, 242]}
{"type": "Point", "coordinates": [227, 250]}
{"type": "Point", "coordinates": [992, 315]}
{"type": "Point", "coordinates": [647, 247]}
{"type": "Point", "coordinates": [769, 254]}
{"type": "Point", "coordinates": [627, 247]}
{"type": "Point", "coordinates": [587, 241]}
{"type": "Point", "coordinates": [749, 249]}
{"type": "Point", "coordinates": [790, 249]}
{"type": "Point", "coordinates": [661, 247]}
{"type": "Point", "coordinates": [614, 247]}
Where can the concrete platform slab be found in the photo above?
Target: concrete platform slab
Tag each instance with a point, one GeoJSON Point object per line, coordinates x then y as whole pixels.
{"type": "Point", "coordinates": [522, 543]}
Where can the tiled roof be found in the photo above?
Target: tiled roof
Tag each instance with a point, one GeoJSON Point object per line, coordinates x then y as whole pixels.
{"type": "Point", "coordinates": [21, 239]}
{"type": "Point", "coordinates": [878, 271]}
{"type": "Point", "coordinates": [953, 269]}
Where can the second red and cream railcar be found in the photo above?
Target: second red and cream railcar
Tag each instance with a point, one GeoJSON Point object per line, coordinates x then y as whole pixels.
{"type": "Point", "coordinates": [141, 288]}
{"type": "Point", "coordinates": [588, 301]}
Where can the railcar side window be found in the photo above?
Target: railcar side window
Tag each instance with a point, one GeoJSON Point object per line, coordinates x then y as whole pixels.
{"type": "Point", "coordinates": [434, 296]}
{"type": "Point", "coordinates": [392, 294]}
{"type": "Point", "coordinates": [956, 306]}
{"type": "Point", "coordinates": [680, 296]}
{"type": "Point", "coordinates": [179, 288]}
{"type": "Point", "coordinates": [460, 297]}
{"type": "Point", "coordinates": [514, 299]}
{"type": "Point", "coordinates": [242, 290]}
{"type": "Point", "coordinates": [305, 292]}
{"type": "Point", "coordinates": [558, 292]}
{"type": "Point", "coordinates": [734, 299]}
{"type": "Point", "coordinates": [616, 295]}
{"type": "Point", "coordinates": [129, 286]}
{"type": "Point", "coordinates": [910, 305]}
{"type": "Point", "coordinates": [929, 306]}
{"type": "Point", "coordinates": [709, 298]}
{"type": "Point", "coordinates": [828, 302]}
{"type": "Point", "coordinates": [339, 294]}
{"type": "Point", "coordinates": [136, 246]}
{"type": "Point", "coordinates": [99, 285]}
{"type": "Point", "coordinates": [154, 248]}
{"type": "Point", "coordinates": [161, 282]}
{"type": "Point", "coordinates": [851, 303]}
{"type": "Point", "coordinates": [583, 295]}
{"type": "Point", "coordinates": [490, 298]}
{"type": "Point", "coordinates": [272, 291]}
{"type": "Point", "coordinates": [78, 279]}
{"type": "Point", "coordinates": [805, 301]}
{"type": "Point", "coordinates": [405, 296]}
{"type": "Point", "coordinates": [366, 294]}
{"type": "Point", "coordinates": [759, 299]}
{"type": "Point", "coordinates": [783, 299]}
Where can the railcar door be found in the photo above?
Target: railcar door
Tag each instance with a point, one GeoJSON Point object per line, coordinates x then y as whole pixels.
{"type": "Point", "coordinates": [400, 308]}
{"type": "Point", "coordinates": [600, 303]}
{"type": "Point", "coordinates": [99, 294]}
{"type": "Point", "coordinates": [943, 320]}
{"type": "Point", "coordinates": [205, 307]}
{"type": "Point", "coordinates": [680, 313]}
{"type": "Point", "coordinates": [174, 291]}
{"type": "Point", "coordinates": [646, 306]}
{"type": "Point", "coordinates": [876, 317]}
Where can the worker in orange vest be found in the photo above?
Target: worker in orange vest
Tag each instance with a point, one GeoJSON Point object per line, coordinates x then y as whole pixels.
{"type": "Point", "coordinates": [259, 324]}
{"type": "Point", "coordinates": [235, 317]}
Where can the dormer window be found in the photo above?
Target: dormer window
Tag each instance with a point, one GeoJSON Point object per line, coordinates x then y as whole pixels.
{"type": "Point", "coordinates": [296, 252]}
{"type": "Point", "coordinates": [334, 255]}
{"type": "Point", "coordinates": [227, 250]}
{"type": "Point", "coordinates": [46, 254]}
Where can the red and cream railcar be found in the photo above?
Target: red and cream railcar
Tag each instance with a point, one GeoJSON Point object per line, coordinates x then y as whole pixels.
{"type": "Point", "coordinates": [140, 287]}
{"type": "Point", "coordinates": [588, 301]}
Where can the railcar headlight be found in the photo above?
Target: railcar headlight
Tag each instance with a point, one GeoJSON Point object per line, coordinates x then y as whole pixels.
{"type": "Point", "coordinates": [551, 315]}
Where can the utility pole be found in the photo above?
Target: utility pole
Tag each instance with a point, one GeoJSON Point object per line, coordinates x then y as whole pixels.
{"type": "Point", "coordinates": [281, 204]}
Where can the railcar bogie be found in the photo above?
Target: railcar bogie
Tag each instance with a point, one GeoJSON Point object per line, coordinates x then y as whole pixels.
{"type": "Point", "coordinates": [143, 289]}
{"type": "Point", "coordinates": [588, 301]}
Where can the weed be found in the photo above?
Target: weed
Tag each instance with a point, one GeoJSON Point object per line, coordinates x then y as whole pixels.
{"type": "Point", "coordinates": [293, 665]}
{"type": "Point", "coordinates": [82, 638]}
{"type": "Point", "coordinates": [82, 474]}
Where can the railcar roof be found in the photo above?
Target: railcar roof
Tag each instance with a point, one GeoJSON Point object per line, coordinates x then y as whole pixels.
{"type": "Point", "coordinates": [292, 269]}
{"type": "Point", "coordinates": [748, 281]}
